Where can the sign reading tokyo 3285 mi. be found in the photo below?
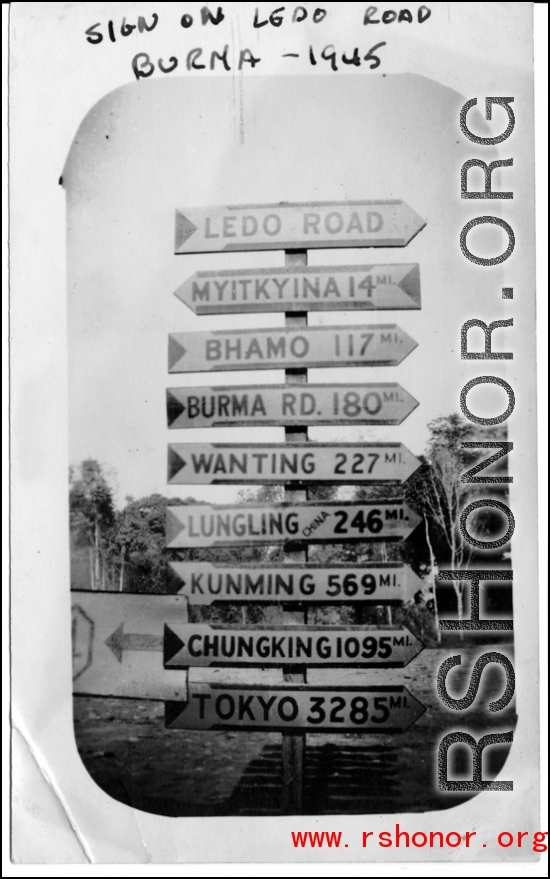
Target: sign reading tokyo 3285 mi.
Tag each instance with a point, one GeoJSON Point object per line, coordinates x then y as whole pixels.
{"type": "Point", "coordinates": [284, 405]}
{"type": "Point", "coordinates": [381, 345]}
{"type": "Point", "coordinates": [278, 463]}
{"type": "Point", "coordinates": [190, 525]}
{"type": "Point", "coordinates": [293, 226]}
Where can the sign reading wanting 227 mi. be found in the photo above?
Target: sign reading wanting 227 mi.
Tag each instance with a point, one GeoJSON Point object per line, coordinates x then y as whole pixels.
{"type": "Point", "coordinates": [294, 226]}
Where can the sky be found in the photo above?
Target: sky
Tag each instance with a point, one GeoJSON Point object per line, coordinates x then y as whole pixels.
{"type": "Point", "coordinates": [155, 146]}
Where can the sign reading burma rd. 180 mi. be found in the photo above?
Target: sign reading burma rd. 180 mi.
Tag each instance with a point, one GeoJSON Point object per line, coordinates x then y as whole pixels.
{"type": "Point", "coordinates": [195, 645]}
{"type": "Point", "coordinates": [283, 226]}
{"type": "Point", "coordinates": [381, 345]}
{"type": "Point", "coordinates": [316, 709]}
{"type": "Point", "coordinates": [286, 405]}
{"type": "Point", "coordinates": [278, 463]}
{"type": "Point", "coordinates": [305, 288]}
{"type": "Point", "coordinates": [207, 525]}
{"type": "Point", "coordinates": [371, 582]}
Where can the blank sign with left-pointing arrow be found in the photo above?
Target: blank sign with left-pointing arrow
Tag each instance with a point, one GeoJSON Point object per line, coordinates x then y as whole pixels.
{"type": "Point", "coordinates": [117, 642]}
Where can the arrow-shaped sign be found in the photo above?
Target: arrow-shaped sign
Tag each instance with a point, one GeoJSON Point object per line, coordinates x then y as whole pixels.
{"type": "Point", "coordinates": [293, 226]}
{"type": "Point", "coordinates": [118, 641]}
{"type": "Point", "coordinates": [277, 709]}
{"type": "Point", "coordinates": [191, 646]}
{"type": "Point", "coordinates": [371, 582]}
{"type": "Point", "coordinates": [276, 464]}
{"type": "Point", "coordinates": [285, 405]}
{"type": "Point", "coordinates": [308, 288]}
{"type": "Point", "coordinates": [381, 345]}
{"type": "Point", "coordinates": [248, 524]}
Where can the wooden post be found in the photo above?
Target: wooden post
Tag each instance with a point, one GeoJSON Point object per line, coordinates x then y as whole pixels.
{"type": "Point", "coordinates": [294, 744]}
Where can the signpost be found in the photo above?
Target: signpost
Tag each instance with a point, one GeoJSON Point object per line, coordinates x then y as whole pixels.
{"type": "Point", "coordinates": [388, 223]}
{"type": "Point", "coordinates": [194, 645]}
{"type": "Point", "coordinates": [303, 288]}
{"type": "Point", "coordinates": [323, 709]}
{"type": "Point", "coordinates": [276, 463]}
{"type": "Point", "coordinates": [288, 406]}
{"type": "Point", "coordinates": [370, 583]}
{"type": "Point", "coordinates": [118, 644]}
{"type": "Point", "coordinates": [248, 524]}
{"type": "Point", "coordinates": [381, 345]}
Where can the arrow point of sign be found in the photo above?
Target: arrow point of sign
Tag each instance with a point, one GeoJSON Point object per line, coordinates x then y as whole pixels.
{"type": "Point", "coordinates": [174, 407]}
{"type": "Point", "coordinates": [172, 644]}
{"type": "Point", "coordinates": [182, 294]}
{"type": "Point", "coordinates": [410, 404]}
{"type": "Point", "coordinates": [175, 352]}
{"type": "Point", "coordinates": [175, 463]}
{"type": "Point", "coordinates": [417, 224]}
{"type": "Point", "coordinates": [184, 229]}
{"type": "Point", "coordinates": [416, 709]}
{"type": "Point", "coordinates": [173, 526]}
{"type": "Point", "coordinates": [409, 344]}
{"type": "Point", "coordinates": [173, 710]}
{"type": "Point", "coordinates": [115, 642]}
{"type": "Point", "coordinates": [410, 284]}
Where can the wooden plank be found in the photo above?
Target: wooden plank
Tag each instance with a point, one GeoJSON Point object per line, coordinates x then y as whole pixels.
{"type": "Point", "coordinates": [274, 348]}
{"type": "Point", "coordinates": [301, 463]}
{"type": "Point", "coordinates": [370, 583]}
{"type": "Point", "coordinates": [233, 525]}
{"type": "Point", "coordinates": [389, 223]}
{"type": "Point", "coordinates": [303, 288]}
{"type": "Point", "coordinates": [118, 640]}
{"type": "Point", "coordinates": [280, 405]}
{"type": "Point", "coordinates": [389, 709]}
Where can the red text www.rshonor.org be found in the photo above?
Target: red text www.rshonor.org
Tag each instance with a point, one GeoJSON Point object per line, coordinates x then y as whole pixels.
{"type": "Point", "coordinates": [419, 839]}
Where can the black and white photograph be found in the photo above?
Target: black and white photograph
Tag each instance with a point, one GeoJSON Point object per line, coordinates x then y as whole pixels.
{"type": "Point", "coordinates": [275, 430]}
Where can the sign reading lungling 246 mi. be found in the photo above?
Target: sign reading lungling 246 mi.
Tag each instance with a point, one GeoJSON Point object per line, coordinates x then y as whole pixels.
{"type": "Point", "coordinates": [190, 525]}
{"type": "Point", "coordinates": [292, 226]}
{"type": "Point", "coordinates": [284, 405]}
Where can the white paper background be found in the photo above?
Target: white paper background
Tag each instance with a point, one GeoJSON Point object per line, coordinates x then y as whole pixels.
{"type": "Point", "coordinates": [55, 80]}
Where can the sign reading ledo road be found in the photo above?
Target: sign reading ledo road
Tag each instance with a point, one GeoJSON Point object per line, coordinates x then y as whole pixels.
{"type": "Point", "coordinates": [216, 463]}
{"type": "Point", "coordinates": [207, 525]}
{"type": "Point", "coordinates": [382, 345]}
{"type": "Point", "coordinates": [358, 709]}
{"type": "Point", "coordinates": [191, 646]}
{"type": "Point", "coordinates": [374, 583]}
{"type": "Point", "coordinates": [284, 405]}
{"type": "Point", "coordinates": [294, 226]}
{"type": "Point", "coordinates": [307, 288]}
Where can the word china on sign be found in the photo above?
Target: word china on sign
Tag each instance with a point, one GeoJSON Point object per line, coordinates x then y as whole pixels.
{"type": "Point", "coordinates": [380, 583]}
{"type": "Point", "coordinates": [216, 463]}
{"type": "Point", "coordinates": [303, 288]}
{"type": "Point", "coordinates": [206, 525]}
{"type": "Point", "coordinates": [382, 345]}
{"type": "Point", "coordinates": [285, 405]}
{"type": "Point", "coordinates": [191, 646]}
{"type": "Point", "coordinates": [294, 226]}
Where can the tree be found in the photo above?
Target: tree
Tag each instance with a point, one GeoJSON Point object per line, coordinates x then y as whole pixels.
{"type": "Point", "coordinates": [91, 517]}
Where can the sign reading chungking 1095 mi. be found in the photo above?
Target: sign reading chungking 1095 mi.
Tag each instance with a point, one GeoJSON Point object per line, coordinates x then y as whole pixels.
{"type": "Point", "coordinates": [189, 525]}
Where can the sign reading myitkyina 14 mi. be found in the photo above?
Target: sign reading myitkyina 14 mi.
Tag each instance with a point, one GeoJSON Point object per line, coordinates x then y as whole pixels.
{"type": "Point", "coordinates": [285, 405]}
{"type": "Point", "coordinates": [196, 645]}
{"type": "Point", "coordinates": [191, 525]}
{"type": "Point", "coordinates": [304, 288]}
{"type": "Point", "coordinates": [381, 345]}
{"type": "Point", "coordinates": [295, 226]}
{"type": "Point", "coordinates": [275, 464]}
{"type": "Point", "coordinates": [318, 709]}
{"type": "Point", "coordinates": [371, 582]}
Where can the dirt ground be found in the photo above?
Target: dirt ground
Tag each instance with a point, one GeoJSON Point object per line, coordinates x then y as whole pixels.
{"type": "Point", "coordinates": [129, 753]}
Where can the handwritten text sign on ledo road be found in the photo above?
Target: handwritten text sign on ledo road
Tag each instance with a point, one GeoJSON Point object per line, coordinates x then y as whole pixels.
{"type": "Point", "coordinates": [307, 288]}
{"type": "Point", "coordinates": [372, 582]}
{"type": "Point", "coordinates": [379, 345]}
{"type": "Point", "coordinates": [276, 464]}
{"type": "Point", "coordinates": [294, 226]}
{"type": "Point", "coordinates": [117, 641]}
{"type": "Point", "coordinates": [190, 525]}
{"type": "Point", "coordinates": [192, 646]}
{"type": "Point", "coordinates": [284, 405]}
{"type": "Point", "coordinates": [356, 709]}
